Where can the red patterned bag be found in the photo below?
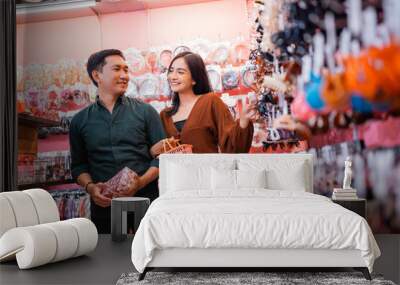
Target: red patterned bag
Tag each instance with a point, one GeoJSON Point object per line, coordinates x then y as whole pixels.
{"type": "Point", "coordinates": [119, 182]}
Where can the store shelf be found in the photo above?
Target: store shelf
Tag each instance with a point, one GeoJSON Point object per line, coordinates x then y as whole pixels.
{"type": "Point", "coordinates": [44, 184]}
{"type": "Point", "coordinates": [28, 119]}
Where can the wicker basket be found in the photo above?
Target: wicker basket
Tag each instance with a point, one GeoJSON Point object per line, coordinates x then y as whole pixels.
{"type": "Point", "coordinates": [176, 147]}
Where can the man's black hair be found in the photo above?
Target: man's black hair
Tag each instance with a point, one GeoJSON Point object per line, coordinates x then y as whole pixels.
{"type": "Point", "coordinates": [97, 60]}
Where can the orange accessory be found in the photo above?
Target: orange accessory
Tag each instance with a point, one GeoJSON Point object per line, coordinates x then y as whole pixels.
{"type": "Point", "coordinates": [334, 91]}
{"type": "Point", "coordinates": [360, 77]}
{"type": "Point", "coordinates": [173, 146]}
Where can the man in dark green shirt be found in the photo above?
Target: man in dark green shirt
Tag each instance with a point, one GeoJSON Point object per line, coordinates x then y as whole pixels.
{"type": "Point", "coordinates": [114, 132]}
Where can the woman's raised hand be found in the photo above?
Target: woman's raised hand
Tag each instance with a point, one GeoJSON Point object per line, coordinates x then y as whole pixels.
{"type": "Point", "coordinates": [249, 113]}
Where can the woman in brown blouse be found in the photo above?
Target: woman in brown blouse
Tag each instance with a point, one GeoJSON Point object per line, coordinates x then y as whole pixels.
{"type": "Point", "coordinates": [199, 117]}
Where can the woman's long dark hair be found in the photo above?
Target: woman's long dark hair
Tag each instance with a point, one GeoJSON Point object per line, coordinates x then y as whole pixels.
{"type": "Point", "coordinates": [199, 75]}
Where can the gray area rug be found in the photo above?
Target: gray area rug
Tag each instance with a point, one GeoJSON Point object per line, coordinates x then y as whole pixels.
{"type": "Point", "coordinates": [229, 278]}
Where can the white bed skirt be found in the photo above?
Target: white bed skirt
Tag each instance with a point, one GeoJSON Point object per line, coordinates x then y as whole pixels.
{"type": "Point", "coordinates": [193, 257]}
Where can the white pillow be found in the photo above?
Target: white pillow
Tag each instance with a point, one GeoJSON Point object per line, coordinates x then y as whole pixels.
{"type": "Point", "coordinates": [185, 177]}
{"type": "Point", "coordinates": [223, 179]}
{"type": "Point", "coordinates": [227, 179]}
{"type": "Point", "coordinates": [282, 174]}
{"type": "Point", "coordinates": [291, 178]}
{"type": "Point", "coordinates": [251, 178]}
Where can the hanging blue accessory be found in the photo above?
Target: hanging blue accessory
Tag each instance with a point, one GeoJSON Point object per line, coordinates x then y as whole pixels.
{"type": "Point", "coordinates": [313, 93]}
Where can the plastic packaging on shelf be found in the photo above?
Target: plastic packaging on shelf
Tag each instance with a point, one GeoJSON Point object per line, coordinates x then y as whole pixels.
{"type": "Point", "coordinates": [74, 203]}
{"type": "Point", "coordinates": [58, 165]}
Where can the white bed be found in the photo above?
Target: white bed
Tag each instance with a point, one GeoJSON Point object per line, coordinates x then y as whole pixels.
{"type": "Point", "coordinates": [204, 220]}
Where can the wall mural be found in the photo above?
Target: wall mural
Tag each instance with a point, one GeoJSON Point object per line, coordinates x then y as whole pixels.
{"type": "Point", "coordinates": [58, 91]}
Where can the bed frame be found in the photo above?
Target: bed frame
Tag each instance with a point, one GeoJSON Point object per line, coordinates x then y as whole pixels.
{"type": "Point", "coordinates": [245, 258]}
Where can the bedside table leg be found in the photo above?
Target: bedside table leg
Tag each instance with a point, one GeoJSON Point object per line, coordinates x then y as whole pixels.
{"type": "Point", "coordinates": [364, 271]}
{"type": "Point", "coordinates": [117, 222]}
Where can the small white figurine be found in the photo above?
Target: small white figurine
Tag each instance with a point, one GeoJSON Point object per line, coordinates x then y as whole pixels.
{"type": "Point", "coordinates": [348, 173]}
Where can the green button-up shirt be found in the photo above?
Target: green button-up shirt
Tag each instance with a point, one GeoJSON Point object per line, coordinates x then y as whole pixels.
{"type": "Point", "coordinates": [102, 143]}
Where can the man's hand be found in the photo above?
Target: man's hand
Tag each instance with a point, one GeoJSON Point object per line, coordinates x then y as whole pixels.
{"type": "Point", "coordinates": [249, 113]}
{"type": "Point", "coordinates": [95, 192]}
{"type": "Point", "coordinates": [138, 182]}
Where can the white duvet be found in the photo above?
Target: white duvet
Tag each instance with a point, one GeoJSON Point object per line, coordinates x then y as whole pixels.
{"type": "Point", "coordinates": [253, 218]}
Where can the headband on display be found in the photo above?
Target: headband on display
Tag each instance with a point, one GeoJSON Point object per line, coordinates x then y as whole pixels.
{"type": "Point", "coordinates": [164, 60]}
{"type": "Point", "coordinates": [214, 75]}
{"type": "Point", "coordinates": [230, 79]}
{"type": "Point", "coordinates": [149, 86]}
{"type": "Point", "coordinates": [180, 49]}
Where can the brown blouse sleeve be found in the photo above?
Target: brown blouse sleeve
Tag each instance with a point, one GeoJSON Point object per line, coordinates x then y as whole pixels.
{"type": "Point", "coordinates": [169, 128]}
{"type": "Point", "coordinates": [231, 137]}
